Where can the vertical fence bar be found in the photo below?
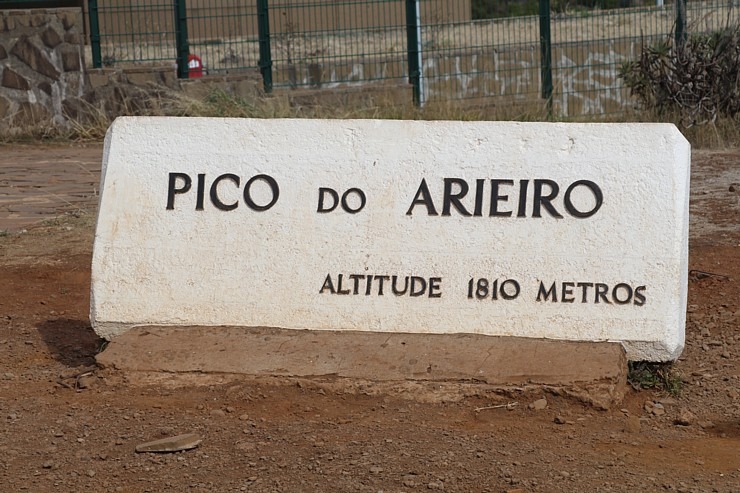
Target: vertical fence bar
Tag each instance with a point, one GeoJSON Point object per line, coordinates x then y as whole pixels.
{"type": "Point", "coordinates": [680, 24]}
{"type": "Point", "coordinates": [181, 37]}
{"type": "Point", "coordinates": [546, 54]}
{"type": "Point", "coordinates": [413, 48]}
{"type": "Point", "coordinates": [92, 7]}
{"type": "Point", "coordinates": [263, 28]}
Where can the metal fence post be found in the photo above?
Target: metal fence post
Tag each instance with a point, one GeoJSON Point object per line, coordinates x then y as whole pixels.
{"type": "Point", "coordinates": [680, 24]}
{"type": "Point", "coordinates": [97, 59]}
{"type": "Point", "coordinates": [263, 28]}
{"type": "Point", "coordinates": [413, 48]}
{"type": "Point", "coordinates": [181, 37]}
{"type": "Point", "coordinates": [546, 54]}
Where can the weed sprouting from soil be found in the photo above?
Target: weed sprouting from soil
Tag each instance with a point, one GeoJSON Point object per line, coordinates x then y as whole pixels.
{"type": "Point", "coordinates": [658, 376]}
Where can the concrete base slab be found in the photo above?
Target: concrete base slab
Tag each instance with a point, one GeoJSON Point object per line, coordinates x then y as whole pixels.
{"type": "Point", "coordinates": [503, 361]}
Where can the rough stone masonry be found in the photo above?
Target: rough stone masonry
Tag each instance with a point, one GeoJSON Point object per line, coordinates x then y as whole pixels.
{"type": "Point", "coordinates": [41, 65]}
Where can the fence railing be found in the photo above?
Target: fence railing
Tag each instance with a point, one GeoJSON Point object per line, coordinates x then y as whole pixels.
{"type": "Point", "coordinates": [566, 58]}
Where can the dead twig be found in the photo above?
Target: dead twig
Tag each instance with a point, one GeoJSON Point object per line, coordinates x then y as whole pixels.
{"type": "Point", "coordinates": [510, 405]}
{"type": "Point", "coordinates": [700, 274]}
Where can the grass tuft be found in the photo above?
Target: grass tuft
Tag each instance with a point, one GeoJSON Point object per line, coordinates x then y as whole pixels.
{"type": "Point", "coordinates": [658, 376]}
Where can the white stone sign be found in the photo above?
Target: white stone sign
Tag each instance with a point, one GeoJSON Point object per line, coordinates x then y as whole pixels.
{"type": "Point", "coordinates": [562, 231]}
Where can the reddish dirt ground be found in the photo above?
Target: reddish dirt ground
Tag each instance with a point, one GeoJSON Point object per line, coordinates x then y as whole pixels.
{"type": "Point", "coordinates": [67, 426]}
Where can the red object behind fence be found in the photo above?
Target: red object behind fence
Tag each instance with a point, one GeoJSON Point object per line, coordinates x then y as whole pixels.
{"type": "Point", "coordinates": [195, 66]}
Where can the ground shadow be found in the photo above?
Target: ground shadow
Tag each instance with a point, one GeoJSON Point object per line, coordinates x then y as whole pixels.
{"type": "Point", "coordinates": [71, 342]}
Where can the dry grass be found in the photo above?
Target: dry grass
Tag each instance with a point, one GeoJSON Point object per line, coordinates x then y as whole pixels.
{"type": "Point", "coordinates": [93, 119]}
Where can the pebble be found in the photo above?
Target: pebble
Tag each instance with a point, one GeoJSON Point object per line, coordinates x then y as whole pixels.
{"type": "Point", "coordinates": [706, 424]}
{"type": "Point", "coordinates": [539, 404]}
{"type": "Point", "coordinates": [409, 481]}
{"type": "Point", "coordinates": [87, 381]}
{"type": "Point", "coordinates": [218, 413]}
{"type": "Point", "coordinates": [8, 376]}
{"type": "Point", "coordinates": [376, 469]}
{"type": "Point", "coordinates": [48, 464]}
{"type": "Point", "coordinates": [632, 424]}
{"type": "Point", "coordinates": [559, 420]}
{"type": "Point", "coordinates": [658, 409]}
{"type": "Point", "coordinates": [436, 485]}
{"type": "Point", "coordinates": [685, 417]}
{"type": "Point", "coordinates": [565, 474]}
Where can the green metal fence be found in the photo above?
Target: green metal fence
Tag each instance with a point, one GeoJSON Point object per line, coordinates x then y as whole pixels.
{"type": "Point", "coordinates": [124, 31]}
{"type": "Point", "coordinates": [563, 56]}
{"type": "Point", "coordinates": [323, 43]}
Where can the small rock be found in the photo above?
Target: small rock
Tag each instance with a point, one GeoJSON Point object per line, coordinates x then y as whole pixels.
{"type": "Point", "coordinates": [230, 409]}
{"type": "Point", "coordinates": [376, 469]}
{"type": "Point", "coordinates": [539, 404]}
{"type": "Point", "coordinates": [685, 417]}
{"type": "Point", "coordinates": [246, 446]}
{"type": "Point", "coordinates": [244, 417]}
{"type": "Point", "coordinates": [87, 381]}
{"type": "Point", "coordinates": [559, 420]}
{"type": "Point", "coordinates": [436, 485]}
{"type": "Point", "coordinates": [8, 376]}
{"type": "Point", "coordinates": [91, 473]}
{"type": "Point", "coordinates": [733, 187]}
{"type": "Point", "coordinates": [48, 464]}
{"type": "Point", "coordinates": [218, 413]}
{"type": "Point", "coordinates": [706, 424]}
{"type": "Point", "coordinates": [409, 481]}
{"type": "Point", "coordinates": [171, 444]}
{"type": "Point", "coordinates": [565, 474]}
{"type": "Point", "coordinates": [726, 354]}
{"type": "Point", "coordinates": [166, 431]}
{"type": "Point", "coordinates": [632, 424]}
{"type": "Point", "coordinates": [658, 409]}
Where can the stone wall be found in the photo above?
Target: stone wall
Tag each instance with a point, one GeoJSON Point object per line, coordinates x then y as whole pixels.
{"type": "Point", "coordinates": [41, 65]}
